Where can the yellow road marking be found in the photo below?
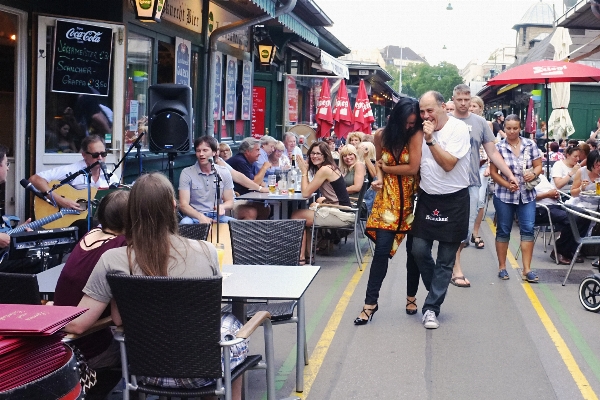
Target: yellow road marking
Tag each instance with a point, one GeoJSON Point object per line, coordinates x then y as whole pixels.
{"type": "Point", "coordinates": [580, 380]}
{"type": "Point", "coordinates": [318, 355]}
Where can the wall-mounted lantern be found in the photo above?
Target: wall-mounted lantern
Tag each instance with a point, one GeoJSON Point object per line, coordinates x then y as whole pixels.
{"type": "Point", "coordinates": [149, 10]}
{"type": "Point", "coordinates": [266, 51]}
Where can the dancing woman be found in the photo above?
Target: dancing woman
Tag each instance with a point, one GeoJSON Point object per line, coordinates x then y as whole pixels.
{"type": "Point", "coordinates": [398, 148]}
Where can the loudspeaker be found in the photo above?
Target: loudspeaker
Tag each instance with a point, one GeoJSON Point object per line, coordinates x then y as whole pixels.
{"type": "Point", "coordinates": [170, 118]}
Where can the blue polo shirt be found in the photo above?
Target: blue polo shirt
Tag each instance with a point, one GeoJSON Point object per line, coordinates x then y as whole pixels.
{"type": "Point", "coordinates": [240, 164]}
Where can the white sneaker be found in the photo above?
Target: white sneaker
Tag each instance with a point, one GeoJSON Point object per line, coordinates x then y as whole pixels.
{"type": "Point", "coordinates": [430, 321]}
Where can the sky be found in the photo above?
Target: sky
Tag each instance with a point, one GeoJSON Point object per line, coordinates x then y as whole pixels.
{"type": "Point", "coordinates": [472, 30]}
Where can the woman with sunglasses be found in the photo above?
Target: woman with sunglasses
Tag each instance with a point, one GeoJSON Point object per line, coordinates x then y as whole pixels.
{"type": "Point", "coordinates": [564, 170]}
{"type": "Point", "coordinates": [92, 151]}
{"type": "Point", "coordinates": [328, 180]}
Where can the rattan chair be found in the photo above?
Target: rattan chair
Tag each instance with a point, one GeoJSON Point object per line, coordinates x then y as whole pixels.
{"type": "Point", "coordinates": [194, 231]}
{"type": "Point", "coordinates": [272, 243]}
{"type": "Point", "coordinates": [171, 328]}
{"type": "Point", "coordinates": [356, 227]}
{"type": "Point", "coordinates": [19, 289]}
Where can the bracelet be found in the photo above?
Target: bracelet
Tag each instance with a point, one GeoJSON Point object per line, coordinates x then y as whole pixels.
{"type": "Point", "coordinates": [304, 175]}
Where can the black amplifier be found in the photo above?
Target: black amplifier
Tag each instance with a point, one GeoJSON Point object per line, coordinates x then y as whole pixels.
{"type": "Point", "coordinates": [51, 241]}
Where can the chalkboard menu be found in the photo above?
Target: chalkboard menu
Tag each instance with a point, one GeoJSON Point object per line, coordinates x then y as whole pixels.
{"type": "Point", "coordinates": [82, 57]}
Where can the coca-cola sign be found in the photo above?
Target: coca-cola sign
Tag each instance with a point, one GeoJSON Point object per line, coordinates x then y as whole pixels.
{"type": "Point", "coordinates": [82, 56]}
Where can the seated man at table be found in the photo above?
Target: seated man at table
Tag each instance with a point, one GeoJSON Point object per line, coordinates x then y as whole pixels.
{"type": "Point", "coordinates": [197, 187]}
{"type": "Point", "coordinates": [566, 245]}
{"type": "Point", "coordinates": [243, 161]}
{"type": "Point", "coordinates": [267, 147]}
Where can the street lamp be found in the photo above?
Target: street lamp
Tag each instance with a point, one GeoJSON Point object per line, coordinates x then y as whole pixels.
{"type": "Point", "coordinates": [149, 10]}
{"type": "Point", "coordinates": [266, 51]}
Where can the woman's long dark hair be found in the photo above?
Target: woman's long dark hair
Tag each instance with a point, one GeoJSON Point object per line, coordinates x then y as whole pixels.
{"type": "Point", "coordinates": [327, 157]}
{"type": "Point", "coordinates": [395, 136]}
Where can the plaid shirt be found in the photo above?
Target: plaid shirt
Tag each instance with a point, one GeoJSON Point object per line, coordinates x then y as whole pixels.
{"type": "Point", "coordinates": [528, 152]}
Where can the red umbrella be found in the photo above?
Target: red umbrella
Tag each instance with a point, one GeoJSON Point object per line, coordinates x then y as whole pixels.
{"type": "Point", "coordinates": [363, 116]}
{"type": "Point", "coordinates": [324, 115]}
{"type": "Point", "coordinates": [342, 113]}
{"type": "Point", "coordinates": [547, 71]}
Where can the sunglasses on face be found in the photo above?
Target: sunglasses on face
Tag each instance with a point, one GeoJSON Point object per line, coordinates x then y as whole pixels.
{"type": "Point", "coordinates": [96, 155]}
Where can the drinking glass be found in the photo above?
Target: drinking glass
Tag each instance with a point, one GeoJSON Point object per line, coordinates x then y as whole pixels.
{"type": "Point", "coordinates": [220, 253]}
{"type": "Point", "coordinates": [597, 186]}
{"type": "Point", "coordinates": [283, 186]}
{"type": "Point", "coordinates": [272, 183]}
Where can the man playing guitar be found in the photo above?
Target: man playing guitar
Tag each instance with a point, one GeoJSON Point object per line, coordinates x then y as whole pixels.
{"type": "Point", "coordinates": [92, 150]}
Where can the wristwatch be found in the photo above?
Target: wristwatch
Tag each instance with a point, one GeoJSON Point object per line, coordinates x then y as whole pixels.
{"type": "Point", "coordinates": [433, 141]}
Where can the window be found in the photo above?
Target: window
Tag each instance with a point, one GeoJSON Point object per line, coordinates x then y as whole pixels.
{"type": "Point", "coordinates": [139, 78]}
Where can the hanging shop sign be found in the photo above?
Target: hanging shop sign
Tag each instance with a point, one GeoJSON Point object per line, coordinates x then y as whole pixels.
{"type": "Point", "coordinates": [247, 90]}
{"type": "Point", "coordinates": [217, 76]}
{"type": "Point", "coordinates": [230, 86]}
{"type": "Point", "coordinates": [182, 61]}
{"type": "Point", "coordinates": [259, 102]}
{"type": "Point", "coordinates": [82, 58]}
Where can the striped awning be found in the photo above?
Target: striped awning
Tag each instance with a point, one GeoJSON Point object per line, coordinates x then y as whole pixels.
{"type": "Point", "coordinates": [296, 25]}
{"type": "Point", "coordinates": [267, 6]}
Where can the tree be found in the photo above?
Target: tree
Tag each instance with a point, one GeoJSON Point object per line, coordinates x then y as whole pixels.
{"type": "Point", "coordinates": [420, 78]}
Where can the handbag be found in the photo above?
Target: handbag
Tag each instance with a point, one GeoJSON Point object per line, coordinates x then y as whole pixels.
{"type": "Point", "coordinates": [531, 184]}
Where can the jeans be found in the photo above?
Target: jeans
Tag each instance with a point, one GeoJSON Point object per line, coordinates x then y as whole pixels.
{"type": "Point", "coordinates": [436, 274]}
{"type": "Point", "coordinates": [505, 213]}
{"type": "Point", "coordinates": [223, 219]}
{"type": "Point", "coordinates": [380, 262]}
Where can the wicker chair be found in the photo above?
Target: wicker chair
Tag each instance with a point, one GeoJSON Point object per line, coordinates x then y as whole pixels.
{"type": "Point", "coordinates": [194, 231]}
{"type": "Point", "coordinates": [357, 227]}
{"type": "Point", "coordinates": [272, 243]}
{"type": "Point", "coordinates": [19, 289]}
{"type": "Point", "coordinates": [171, 328]}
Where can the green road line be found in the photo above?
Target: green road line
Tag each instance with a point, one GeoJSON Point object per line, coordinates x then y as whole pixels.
{"type": "Point", "coordinates": [578, 339]}
{"type": "Point", "coordinates": [290, 362]}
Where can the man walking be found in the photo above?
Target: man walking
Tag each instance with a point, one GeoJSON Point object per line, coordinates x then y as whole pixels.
{"type": "Point", "coordinates": [498, 125]}
{"type": "Point", "coordinates": [480, 135]}
{"type": "Point", "coordinates": [442, 212]}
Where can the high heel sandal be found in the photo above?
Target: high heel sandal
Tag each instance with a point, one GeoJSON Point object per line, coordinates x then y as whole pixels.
{"type": "Point", "coordinates": [411, 311]}
{"type": "Point", "coordinates": [360, 321]}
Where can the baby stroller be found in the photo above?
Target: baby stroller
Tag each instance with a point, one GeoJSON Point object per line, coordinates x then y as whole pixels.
{"type": "Point", "coordinates": [589, 292]}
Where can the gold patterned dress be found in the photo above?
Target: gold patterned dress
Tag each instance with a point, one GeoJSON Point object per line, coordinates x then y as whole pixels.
{"type": "Point", "coordinates": [394, 202]}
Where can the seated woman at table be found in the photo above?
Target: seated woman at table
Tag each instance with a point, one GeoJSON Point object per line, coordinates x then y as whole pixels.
{"type": "Point", "coordinates": [584, 150]}
{"type": "Point", "coordinates": [554, 154]}
{"type": "Point", "coordinates": [98, 348]}
{"type": "Point", "coordinates": [584, 179]}
{"type": "Point", "coordinates": [331, 143]}
{"type": "Point", "coordinates": [278, 161]}
{"type": "Point", "coordinates": [154, 249]}
{"type": "Point", "coordinates": [563, 170]}
{"type": "Point", "coordinates": [352, 169]}
{"type": "Point", "coordinates": [366, 154]}
{"type": "Point", "coordinates": [329, 181]}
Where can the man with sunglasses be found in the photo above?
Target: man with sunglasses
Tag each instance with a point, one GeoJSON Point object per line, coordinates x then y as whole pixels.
{"type": "Point", "coordinates": [92, 150]}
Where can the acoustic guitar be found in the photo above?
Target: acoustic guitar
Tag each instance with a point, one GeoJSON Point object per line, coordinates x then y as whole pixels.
{"type": "Point", "coordinates": [42, 209]}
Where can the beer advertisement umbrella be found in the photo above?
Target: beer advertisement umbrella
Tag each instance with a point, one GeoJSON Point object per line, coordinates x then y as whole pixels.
{"type": "Point", "coordinates": [546, 72]}
{"type": "Point", "coordinates": [324, 115]}
{"type": "Point", "coordinates": [342, 113]}
{"type": "Point", "coordinates": [363, 115]}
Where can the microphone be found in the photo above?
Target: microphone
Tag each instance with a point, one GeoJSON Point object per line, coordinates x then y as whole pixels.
{"type": "Point", "coordinates": [29, 186]}
{"type": "Point", "coordinates": [103, 168]}
{"type": "Point", "coordinates": [211, 161]}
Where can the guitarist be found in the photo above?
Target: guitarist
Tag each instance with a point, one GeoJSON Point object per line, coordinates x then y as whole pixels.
{"type": "Point", "coordinates": [92, 150]}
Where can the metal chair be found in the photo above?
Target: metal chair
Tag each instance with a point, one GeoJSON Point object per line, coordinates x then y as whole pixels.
{"type": "Point", "coordinates": [593, 217]}
{"type": "Point", "coordinates": [543, 227]}
{"type": "Point", "coordinates": [355, 227]}
{"type": "Point", "coordinates": [19, 289]}
{"type": "Point", "coordinates": [268, 242]}
{"type": "Point", "coordinates": [172, 328]}
{"type": "Point", "coordinates": [194, 231]}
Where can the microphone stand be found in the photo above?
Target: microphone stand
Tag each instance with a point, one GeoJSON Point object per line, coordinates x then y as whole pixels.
{"type": "Point", "coordinates": [138, 145]}
{"type": "Point", "coordinates": [218, 181]}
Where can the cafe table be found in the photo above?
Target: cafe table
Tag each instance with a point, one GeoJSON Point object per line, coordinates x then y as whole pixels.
{"type": "Point", "coordinates": [248, 282]}
{"type": "Point", "coordinates": [271, 282]}
{"type": "Point", "coordinates": [280, 201]}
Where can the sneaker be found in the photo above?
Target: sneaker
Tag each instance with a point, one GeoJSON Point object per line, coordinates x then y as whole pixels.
{"type": "Point", "coordinates": [430, 321]}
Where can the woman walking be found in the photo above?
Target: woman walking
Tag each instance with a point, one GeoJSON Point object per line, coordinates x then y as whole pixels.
{"type": "Point", "coordinates": [398, 148]}
{"type": "Point", "coordinates": [525, 161]}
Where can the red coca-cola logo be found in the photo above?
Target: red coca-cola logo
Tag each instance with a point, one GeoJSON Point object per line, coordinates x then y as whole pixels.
{"type": "Point", "coordinates": [84, 36]}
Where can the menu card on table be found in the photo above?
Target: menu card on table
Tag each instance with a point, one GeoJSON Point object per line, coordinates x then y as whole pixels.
{"type": "Point", "coordinates": [25, 319]}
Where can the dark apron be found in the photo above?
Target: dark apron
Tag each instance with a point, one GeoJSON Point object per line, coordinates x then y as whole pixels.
{"type": "Point", "coordinates": [442, 217]}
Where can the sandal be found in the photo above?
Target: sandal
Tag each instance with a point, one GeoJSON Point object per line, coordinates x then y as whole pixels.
{"type": "Point", "coordinates": [479, 244]}
{"type": "Point", "coordinates": [460, 278]}
{"type": "Point", "coordinates": [302, 261]}
{"type": "Point", "coordinates": [411, 311]}
{"type": "Point", "coordinates": [531, 277]}
{"type": "Point", "coordinates": [503, 274]}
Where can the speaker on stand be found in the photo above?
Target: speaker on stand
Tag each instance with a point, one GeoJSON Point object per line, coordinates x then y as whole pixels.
{"type": "Point", "coordinates": [170, 120]}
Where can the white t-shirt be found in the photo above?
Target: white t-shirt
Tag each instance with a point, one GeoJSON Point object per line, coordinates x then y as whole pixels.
{"type": "Point", "coordinates": [560, 170]}
{"type": "Point", "coordinates": [60, 173]}
{"type": "Point", "coordinates": [454, 138]}
{"type": "Point", "coordinates": [543, 187]}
